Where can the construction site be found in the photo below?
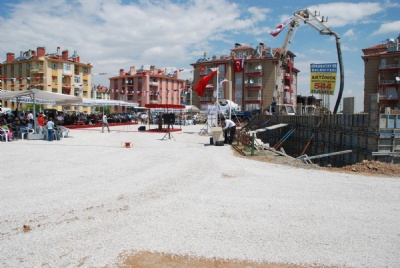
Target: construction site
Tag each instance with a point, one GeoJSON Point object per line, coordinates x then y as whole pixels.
{"type": "Point", "coordinates": [305, 128]}
{"type": "Point", "coordinates": [335, 140]}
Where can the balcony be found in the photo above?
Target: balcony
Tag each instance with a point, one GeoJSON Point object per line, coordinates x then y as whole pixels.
{"type": "Point", "coordinates": [388, 82]}
{"type": "Point", "coordinates": [253, 86]}
{"type": "Point", "coordinates": [37, 69]}
{"type": "Point", "coordinates": [256, 72]}
{"type": "Point", "coordinates": [253, 99]}
{"type": "Point", "coordinates": [154, 84]}
{"type": "Point", "coordinates": [288, 76]}
{"type": "Point", "coordinates": [389, 66]}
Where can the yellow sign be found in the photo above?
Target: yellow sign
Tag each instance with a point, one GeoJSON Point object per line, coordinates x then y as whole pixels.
{"type": "Point", "coordinates": [323, 78]}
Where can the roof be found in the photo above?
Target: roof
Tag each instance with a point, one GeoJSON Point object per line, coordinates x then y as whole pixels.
{"type": "Point", "coordinates": [40, 96]}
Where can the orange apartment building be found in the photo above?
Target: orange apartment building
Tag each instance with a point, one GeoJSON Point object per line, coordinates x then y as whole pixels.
{"type": "Point", "coordinates": [57, 72]}
{"type": "Point", "coordinates": [153, 86]}
{"type": "Point", "coordinates": [255, 78]}
{"type": "Point", "coordinates": [381, 73]}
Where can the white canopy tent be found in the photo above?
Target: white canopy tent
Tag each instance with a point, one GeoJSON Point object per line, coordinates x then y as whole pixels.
{"type": "Point", "coordinates": [104, 102]}
{"type": "Point", "coordinates": [38, 96]}
{"type": "Point", "coordinates": [35, 96]}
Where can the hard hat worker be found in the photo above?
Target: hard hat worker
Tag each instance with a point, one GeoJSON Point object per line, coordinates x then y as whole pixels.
{"type": "Point", "coordinates": [229, 130]}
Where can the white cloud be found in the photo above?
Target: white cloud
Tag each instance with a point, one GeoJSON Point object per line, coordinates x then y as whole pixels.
{"type": "Point", "coordinates": [349, 33]}
{"type": "Point", "coordinates": [390, 27]}
{"type": "Point", "coordinates": [341, 14]}
{"type": "Point", "coordinates": [148, 32]}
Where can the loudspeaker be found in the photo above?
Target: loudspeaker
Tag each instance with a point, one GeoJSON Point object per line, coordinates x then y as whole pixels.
{"type": "Point", "coordinates": [142, 128]}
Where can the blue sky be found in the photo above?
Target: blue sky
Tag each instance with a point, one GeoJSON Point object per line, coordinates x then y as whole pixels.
{"type": "Point", "coordinates": [114, 35]}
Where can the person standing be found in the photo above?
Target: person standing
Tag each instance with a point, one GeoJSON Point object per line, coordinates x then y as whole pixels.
{"type": "Point", "coordinates": [40, 121]}
{"type": "Point", "coordinates": [50, 129]}
{"type": "Point", "coordinates": [105, 124]}
{"type": "Point", "coordinates": [229, 129]}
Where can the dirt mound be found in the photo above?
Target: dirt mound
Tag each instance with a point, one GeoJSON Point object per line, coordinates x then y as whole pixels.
{"type": "Point", "coordinates": [373, 168]}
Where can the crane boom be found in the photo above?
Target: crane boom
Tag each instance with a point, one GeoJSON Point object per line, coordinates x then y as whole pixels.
{"type": "Point", "coordinates": [318, 24]}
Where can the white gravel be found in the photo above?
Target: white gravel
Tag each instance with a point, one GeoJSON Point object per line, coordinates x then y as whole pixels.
{"type": "Point", "coordinates": [87, 200]}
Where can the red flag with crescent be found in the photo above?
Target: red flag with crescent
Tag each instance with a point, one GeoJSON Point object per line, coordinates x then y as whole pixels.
{"type": "Point", "coordinates": [239, 63]}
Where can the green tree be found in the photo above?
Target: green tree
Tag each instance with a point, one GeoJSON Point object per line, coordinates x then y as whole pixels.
{"type": "Point", "coordinates": [29, 107]}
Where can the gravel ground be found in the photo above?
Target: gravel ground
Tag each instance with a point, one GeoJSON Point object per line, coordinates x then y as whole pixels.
{"type": "Point", "coordinates": [87, 201]}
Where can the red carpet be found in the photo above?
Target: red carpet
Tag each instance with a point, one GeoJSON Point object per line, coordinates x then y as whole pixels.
{"type": "Point", "coordinates": [99, 125]}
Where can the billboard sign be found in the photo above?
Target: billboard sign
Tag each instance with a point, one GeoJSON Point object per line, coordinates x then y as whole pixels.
{"type": "Point", "coordinates": [323, 78]}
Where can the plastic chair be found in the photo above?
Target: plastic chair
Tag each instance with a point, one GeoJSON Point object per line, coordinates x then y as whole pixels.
{"type": "Point", "coordinates": [5, 134]}
{"type": "Point", "coordinates": [27, 131]}
{"type": "Point", "coordinates": [64, 131]}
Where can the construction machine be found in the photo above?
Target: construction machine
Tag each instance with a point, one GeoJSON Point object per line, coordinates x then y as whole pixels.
{"type": "Point", "coordinates": [318, 23]}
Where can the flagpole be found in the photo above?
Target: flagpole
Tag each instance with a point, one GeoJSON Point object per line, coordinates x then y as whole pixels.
{"type": "Point", "coordinates": [217, 96]}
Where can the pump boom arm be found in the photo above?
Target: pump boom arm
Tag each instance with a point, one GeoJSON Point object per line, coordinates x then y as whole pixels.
{"type": "Point", "coordinates": [318, 24]}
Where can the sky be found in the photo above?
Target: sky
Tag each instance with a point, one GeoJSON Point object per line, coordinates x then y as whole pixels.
{"type": "Point", "coordinates": [114, 35]}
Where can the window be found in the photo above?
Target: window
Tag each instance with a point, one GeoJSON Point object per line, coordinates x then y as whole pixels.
{"type": "Point", "coordinates": [77, 79]}
{"type": "Point", "coordinates": [67, 67]}
{"type": "Point", "coordinates": [239, 55]}
{"type": "Point", "coordinates": [383, 63]}
{"type": "Point", "coordinates": [28, 66]}
{"type": "Point", "coordinates": [84, 70]}
{"type": "Point", "coordinates": [54, 66]}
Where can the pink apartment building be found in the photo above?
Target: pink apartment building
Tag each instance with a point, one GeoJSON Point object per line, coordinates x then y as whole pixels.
{"type": "Point", "coordinates": [153, 86]}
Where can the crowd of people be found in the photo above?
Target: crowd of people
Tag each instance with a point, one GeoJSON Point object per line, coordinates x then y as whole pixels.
{"type": "Point", "coordinates": [16, 126]}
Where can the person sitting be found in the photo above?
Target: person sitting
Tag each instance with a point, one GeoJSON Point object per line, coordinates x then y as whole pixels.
{"type": "Point", "coordinates": [15, 128]}
{"type": "Point", "coordinates": [60, 119]}
{"type": "Point", "coordinates": [6, 131]}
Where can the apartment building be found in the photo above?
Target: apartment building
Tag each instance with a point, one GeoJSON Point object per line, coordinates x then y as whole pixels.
{"type": "Point", "coordinates": [382, 73]}
{"type": "Point", "coordinates": [251, 77]}
{"type": "Point", "coordinates": [153, 86]}
{"type": "Point", "coordinates": [57, 72]}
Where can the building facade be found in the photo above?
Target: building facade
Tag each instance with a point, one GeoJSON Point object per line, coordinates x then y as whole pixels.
{"type": "Point", "coordinates": [381, 73]}
{"type": "Point", "coordinates": [153, 86]}
{"type": "Point", "coordinates": [56, 72]}
{"type": "Point", "coordinates": [254, 78]}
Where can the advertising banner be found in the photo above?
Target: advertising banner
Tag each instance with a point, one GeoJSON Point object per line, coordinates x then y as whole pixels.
{"type": "Point", "coordinates": [323, 78]}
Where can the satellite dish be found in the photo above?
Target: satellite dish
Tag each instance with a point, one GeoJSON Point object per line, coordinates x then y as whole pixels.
{"type": "Point", "coordinates": [398, 78]}
{"type": "Point", "coordinates": [251, 81]}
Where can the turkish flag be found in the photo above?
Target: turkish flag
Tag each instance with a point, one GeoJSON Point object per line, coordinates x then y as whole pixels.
{"type": "Point", "coordinates": [238, 65]}
{"type": "Point", "coordinates": [201, 85]}
{"type": "Point", "coordinates": [281, 26]}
